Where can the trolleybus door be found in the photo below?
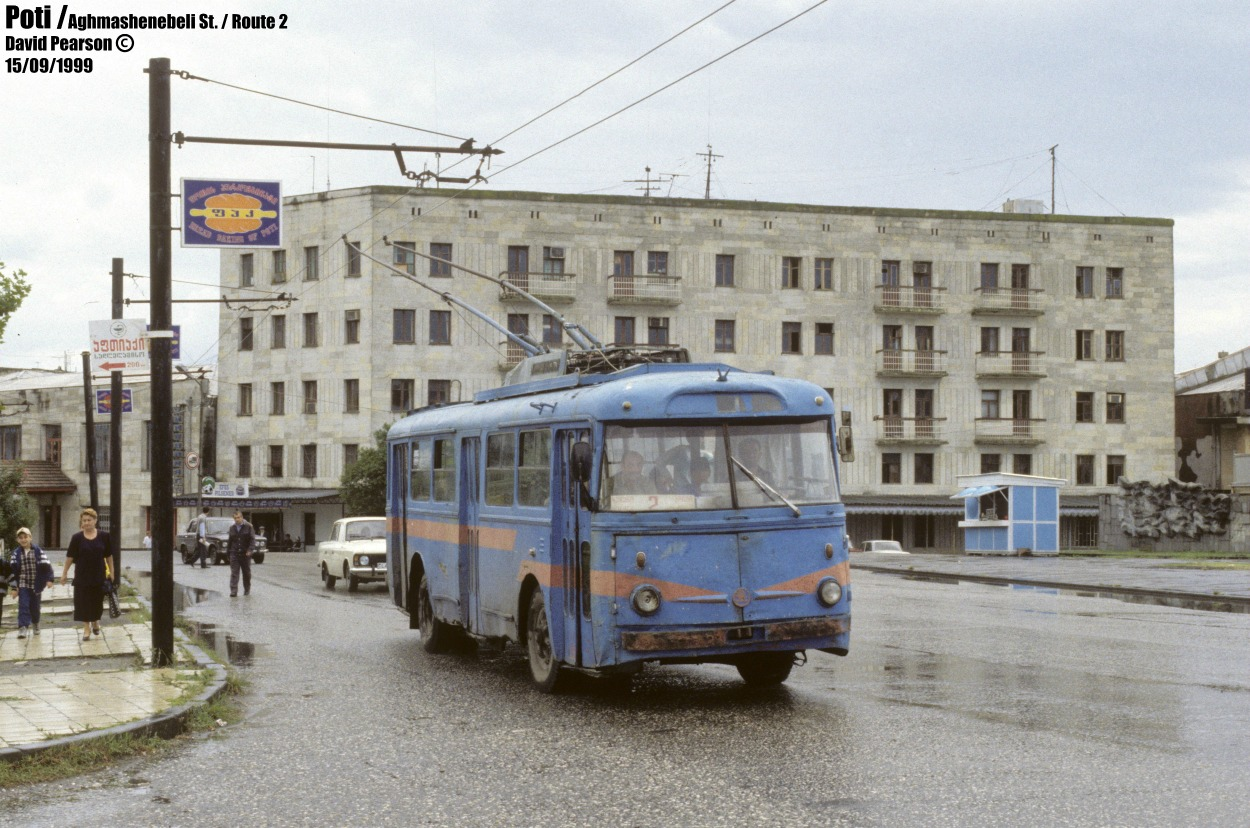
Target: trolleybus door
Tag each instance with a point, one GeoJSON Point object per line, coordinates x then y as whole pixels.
{"type": "Point", "coordinates": [571, 535]}
{"type": "Point", "coordinates": [470, 453]}
{"type": "Point", "coordinates": [397, 563]}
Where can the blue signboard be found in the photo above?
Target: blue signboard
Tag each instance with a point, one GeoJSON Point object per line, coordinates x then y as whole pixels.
{"type": "Point", "coordinates": [104, 401]}
{"type": "Point", "coordinates": [175, 342]}
{"type": "Point", "coordinates": [218, 213]}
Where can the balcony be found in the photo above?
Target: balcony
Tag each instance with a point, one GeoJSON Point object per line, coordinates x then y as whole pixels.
{"type": "Point", "coordinates": [900, 363]}
{"type": "Point", "coordinates": [1011, 431]}
{"type": "Point", "coordinates": [909, 299]}
{"type": "Point", "coordinates": [510, 354]}
{"type": "Point", "coordinates": [648, 289]}
{"type": "Point", "coordinates": [915, 431]}
{"type": "Point", "coordinates": [550, 287]}
{"type": "Point", "coordinates": [1008, 301]}
{"type": "Point", "coordinates": [1026, 364]}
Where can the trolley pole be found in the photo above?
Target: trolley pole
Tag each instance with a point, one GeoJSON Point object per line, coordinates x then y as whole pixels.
{"type": "Point", "coordinates": [160, 226]}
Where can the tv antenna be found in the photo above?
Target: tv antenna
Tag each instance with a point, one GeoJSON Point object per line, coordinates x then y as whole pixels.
{"type": "Point", "coordinates": [709, 155]}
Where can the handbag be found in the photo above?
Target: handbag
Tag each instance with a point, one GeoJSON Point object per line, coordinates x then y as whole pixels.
{"type": "Point", "coordinates": [114, 608]}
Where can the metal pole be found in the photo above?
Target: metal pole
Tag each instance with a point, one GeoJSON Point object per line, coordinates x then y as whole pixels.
{"type": "Point", "coordinates": [115, 444]}
{"type": "Point", "coordinates": [89, 402]}
{"type": "Point", "coordinates": [159, 244]}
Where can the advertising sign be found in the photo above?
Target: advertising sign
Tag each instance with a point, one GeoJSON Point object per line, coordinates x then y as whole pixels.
{"type": "Point", "coordinates": [231, 213]}
{"type": "Point", "coordinates": [215, 489]}
{"type": "Point", "coordinates": [119, 345]}
{"type": "Point", "coordinates": [104, 401]}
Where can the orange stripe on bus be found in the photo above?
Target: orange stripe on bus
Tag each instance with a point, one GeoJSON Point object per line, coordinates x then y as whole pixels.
{"type": "Point", "coordinates": [607, 582]}
{"type": "Point", "coordinates": [446, 532]}
{"type": "Point", "coordinates": [806, 583]}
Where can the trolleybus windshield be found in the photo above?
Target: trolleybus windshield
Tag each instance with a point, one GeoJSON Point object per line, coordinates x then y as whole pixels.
{"type": "Point", "coordinates": [665, 467]}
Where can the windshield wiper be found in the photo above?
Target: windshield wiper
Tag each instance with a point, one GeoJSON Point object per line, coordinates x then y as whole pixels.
{"type": "Point", "coordinates": [764, 487]}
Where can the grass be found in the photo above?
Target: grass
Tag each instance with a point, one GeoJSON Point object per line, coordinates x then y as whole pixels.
{"type": "Point", "coordinates": [1148, 555]}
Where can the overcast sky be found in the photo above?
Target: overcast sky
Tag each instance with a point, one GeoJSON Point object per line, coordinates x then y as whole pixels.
{"type": "Point", "coordinates": [894, 103]}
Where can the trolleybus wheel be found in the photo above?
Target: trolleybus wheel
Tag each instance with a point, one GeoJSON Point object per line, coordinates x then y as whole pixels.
{"type": "Point", "coordinates": [765, 669]}
{"type": "Point", "coordinates": [436, 636]}
{"type": "Point", "coordinates": [544, 668]}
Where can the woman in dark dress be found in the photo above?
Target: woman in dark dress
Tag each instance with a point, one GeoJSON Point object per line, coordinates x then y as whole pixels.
{"type": "Point", "coordinates": [89, 553]}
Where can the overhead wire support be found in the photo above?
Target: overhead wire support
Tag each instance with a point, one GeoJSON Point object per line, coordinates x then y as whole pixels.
{"type": "Point", "coordinates": [466, 148]}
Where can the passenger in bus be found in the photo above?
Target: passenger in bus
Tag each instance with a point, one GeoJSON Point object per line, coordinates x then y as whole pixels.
{"type": "Point", "coordinates": [700, 474]}
{"type": "Point", "coordinates": [662, 480]}
{"type": "Point", "coordinates": [751, 455]}
{"type": "Point", "coordinates": [630, 479]}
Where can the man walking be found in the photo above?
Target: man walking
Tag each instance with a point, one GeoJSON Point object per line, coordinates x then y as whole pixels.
{"type": "Point", "coordinates": [239, 545]}
{"type": "Point", "coordinates": [201, 540]}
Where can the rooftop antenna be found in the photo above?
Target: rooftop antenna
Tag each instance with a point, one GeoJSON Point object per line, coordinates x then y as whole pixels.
{"type": "Point", "coordinates": [1052, 178]}
{"type": "Point", "coordinates": [707, 187]}
{"type": "Point", "coordinates": [649, 184]}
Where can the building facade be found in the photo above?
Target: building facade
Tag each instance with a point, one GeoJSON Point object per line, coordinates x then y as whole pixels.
{"type": "Point", "coordinates": [43, 427]}
{"type": "Point", "coordinates": [963, 342]}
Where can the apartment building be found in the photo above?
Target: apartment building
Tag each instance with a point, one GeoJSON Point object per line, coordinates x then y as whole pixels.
{"type": "Point", "coordinates": [963, 342]}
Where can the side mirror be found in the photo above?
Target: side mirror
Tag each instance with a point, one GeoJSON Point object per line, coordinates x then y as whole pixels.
{"type": "Point", "coordinates": [582, 459]}
{"type": "Point", "coordinates": [846, 439]}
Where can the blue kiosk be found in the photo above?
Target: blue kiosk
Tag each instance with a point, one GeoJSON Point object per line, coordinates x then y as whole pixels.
{"type": "Point", "coordinates": [1010, 514]}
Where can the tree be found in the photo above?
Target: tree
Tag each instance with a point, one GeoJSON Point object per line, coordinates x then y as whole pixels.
{"type": "Point", "coordinates": [363, 484]}
{"type": "Point", "coordinates": [16, 507]}
{"type": "Point", "coordinates": [13, 289]}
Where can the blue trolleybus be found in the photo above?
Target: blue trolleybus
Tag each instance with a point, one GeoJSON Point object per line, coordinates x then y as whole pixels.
{"type": "Point", "coordinates": [606, 517]}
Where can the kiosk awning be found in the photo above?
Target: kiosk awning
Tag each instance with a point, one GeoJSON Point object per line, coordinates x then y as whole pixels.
{"type": "Point", "coordinates": [977, 491]}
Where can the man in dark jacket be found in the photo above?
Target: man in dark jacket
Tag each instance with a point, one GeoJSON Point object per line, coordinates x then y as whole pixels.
{"type": "Point", "coordinates": [239, 544]}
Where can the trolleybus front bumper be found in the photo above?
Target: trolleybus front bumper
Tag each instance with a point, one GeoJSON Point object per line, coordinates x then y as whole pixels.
{"type": "Point", "coordinates": [802, 632]}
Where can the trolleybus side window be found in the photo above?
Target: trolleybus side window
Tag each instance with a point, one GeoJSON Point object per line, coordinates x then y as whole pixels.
{"type": "Point", "coordinates": [534, 477]}
{"type": "Point", "coordinates": [419, 476]}
{"type": "Point", "coordinates": [500, 468]}
{"type": "Point", "coordinates": [444, 470]}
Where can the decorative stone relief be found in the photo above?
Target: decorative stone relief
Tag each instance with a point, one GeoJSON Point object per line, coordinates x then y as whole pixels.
{"type": "Point", "coordinates": [1166, 510]}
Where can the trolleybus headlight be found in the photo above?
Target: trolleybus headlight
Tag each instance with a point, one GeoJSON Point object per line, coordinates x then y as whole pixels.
{"type": "Point", "coordinates": [829, 592]}
{"type": "Point", "coordinates": [646, 599]}
{"type": "Point", "coordinates": [363, 560]}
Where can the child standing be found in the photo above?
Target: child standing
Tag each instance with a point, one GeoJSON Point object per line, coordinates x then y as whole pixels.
{"type": "Point", "coordinates": [32, 571]}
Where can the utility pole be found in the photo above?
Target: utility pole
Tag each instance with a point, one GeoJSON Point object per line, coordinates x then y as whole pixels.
{"type": "Point", "coordinates": [93, 483]}
{"type": "Point", "coordinates": [707, 187]}
{"type": "Point", "coordinates": [647, 186]}
{"type": "Point", "coordinates": [115, 443]}
{"type": "Point", "coordinates": [160, 226]}
{"type": "Point", "coordinates": [1052, 178]}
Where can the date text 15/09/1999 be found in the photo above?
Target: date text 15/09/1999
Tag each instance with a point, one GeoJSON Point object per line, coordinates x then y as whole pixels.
{"type": "Point", "coordinates": [46, 65]}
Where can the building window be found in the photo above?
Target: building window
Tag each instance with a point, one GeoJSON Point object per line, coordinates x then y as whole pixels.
{"type": "Point", "coordinates": [353, 259]}
{"type": "Point", "coordinates": [440, 327]}
{"type": "Point", "coordinates": [989, 277]}
{"type": "Point", "coordinates": [1084, 282]}
{"type": "Point", "coordinates": [246, 333]}
{"type": "Point", "coordinates": [922, 471]}
{"type": "Point", "coordinates": [657, 330]}
{"type": "Point", "coordinates": [351, 327]}
{"type": "Point", "coordinates": [310, 396]}
{"type": "Point", "coordinates": [792, 337]}
{"type": "Point", "coordinates": [1115, 346]}
{"type": "Point", "coordinates": [991, 463]}
{"type": "Point", "coordinates": [891, 468]}
{"type": "Point", "coordinates": [11, 442]}
{"type": "Point", "coordinates": [724, 270]}
{"type": "Point", "coordinates": [401, 394]}
{"type": "Point", "coordinates": [308, 460]}
{"type": "Point", "coordinates": [277, 398]}
{"type": "Point", "coordinates": [312, 334]}
{"type": "Point", "coordinates": [553, 333]}
{"type": "Point", "coordinates": [312, 261]}
{"type": "Point", "coordinates": [278, 332]}
{"type": "Point", "coordinates": [404, 257]}
{"type": "Point", "coordinates": [279, 266]}
{"type": "Point", "coordinates": [275, 461]}
{"type": "Point", "coordinates": [1022, 463]}
{"type": "Point", "coordinates": [351, 454]}
{"type": "Point", "coordinates": [245, 399]}
{"type": "Point", "coordinates": [1020, 276]}
{"type": "Point", "coordinates": [351, 396]}
{"type": "Point", "coordinates": [438, 392]}
{"type": "Point", "coordinates": [404, 326]}
{"type": "Point", "coordinates": [990, 405]}
{"type": "Point", "coordinates": [1085, 470]}
{"type": "Point", "coordinates": [823, 270]}
{"type": "Point", "coordinates": [657, 262]}
{"type": "Point", "coordinates": [553, 260]}
{"type": "Point", "coordinates": [247, 272]}
{"type": "Point", "coordinates": [624, 330]}
{"type": "Point", "coordinates": [243, 463]}
{"type": "Point", "coordinates": [824, 338]}
{"type": "Point", "coordinates": [1115, 283]}
{"type": "Point", "coordinates": [724, 336]}
{"type": "Point", "coordinates": [1084, 346]}
{"type": "Point", "coordinates": [1115, 468]}
{"type": "Point", "coordinates": [622, 263]}
{"type": "Point", "coordinates": [1115, 408]}
{"type": "Point", "coordinates": [989, 341]}
{"type": "Point", "coordinates": [51, 444]}
{"type": "Point", "coordinates": [922, 284]}
{"type": "Point", "coordinates": [1084, 406]}
{"type": "Point", "coordinates": [440, 265]}
{"type": "Point", "coordinates": [791, 267]}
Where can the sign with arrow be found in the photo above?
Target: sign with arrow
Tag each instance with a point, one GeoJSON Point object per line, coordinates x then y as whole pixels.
{"type": "Point", "coordinates": [119, 345]}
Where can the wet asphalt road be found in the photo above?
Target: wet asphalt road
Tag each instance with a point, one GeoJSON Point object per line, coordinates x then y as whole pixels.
{"type": "Point", "coordinates": [959, 705]}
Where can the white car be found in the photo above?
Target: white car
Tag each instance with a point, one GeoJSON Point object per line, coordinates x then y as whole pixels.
{"type": "Point", "coordinates": [887, 546]}
{"type": "Point", "coordinates": [355, 552]}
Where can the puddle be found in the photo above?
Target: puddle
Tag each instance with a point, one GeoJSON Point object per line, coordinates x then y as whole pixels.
{"type": "Point", "coordinates": [237, 653]}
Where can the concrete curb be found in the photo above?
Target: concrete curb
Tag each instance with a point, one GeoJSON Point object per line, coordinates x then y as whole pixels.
{"type": "Point", "coordinates": [166, 725]}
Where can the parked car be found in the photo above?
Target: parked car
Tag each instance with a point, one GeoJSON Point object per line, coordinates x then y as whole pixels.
{"type": "Point", "coordinates": [217, 533]}
{"type": "Point", "coordinates": [887, 546]}
{"type": "Point", "coordinates": [355, 552]}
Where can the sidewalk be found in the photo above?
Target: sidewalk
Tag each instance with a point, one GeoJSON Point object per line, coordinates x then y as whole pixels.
{"type": "Point", "coordinates": [56, 689]}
